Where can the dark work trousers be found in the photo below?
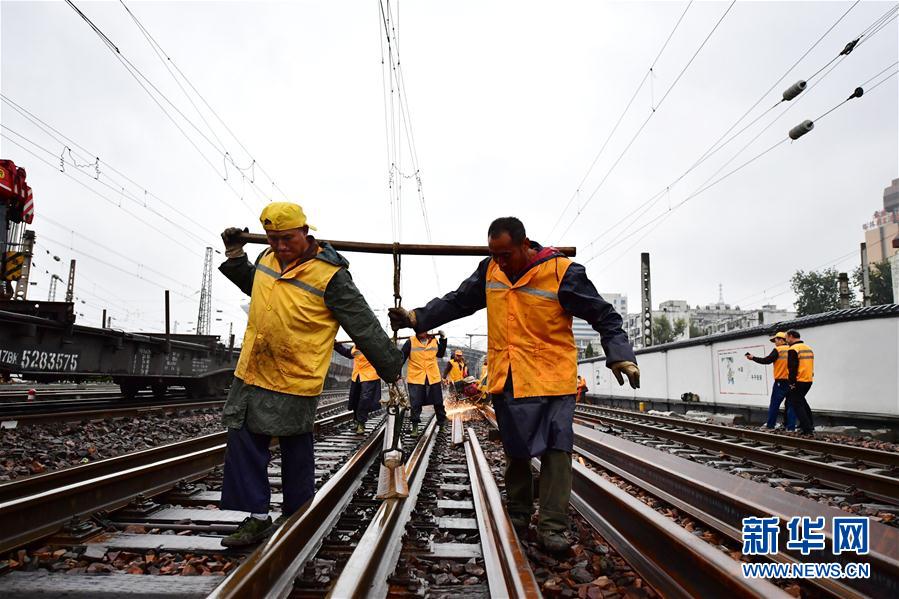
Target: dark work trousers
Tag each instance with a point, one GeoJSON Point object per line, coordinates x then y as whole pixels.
{"type": "Point", "coordinates": [530, 427]}
{"type": "Point", "coordinates": [246, 486]}
{"type": "Point", "coordinates": [364, 398]}
{"type": "Point", "coordinates": [778, 394]}
{"type": "Point", "coordinates": [424, 395]}
{"type": "Point", "coordinates": [796, 400]}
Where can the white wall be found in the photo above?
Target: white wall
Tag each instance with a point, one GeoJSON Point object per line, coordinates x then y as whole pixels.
{"type": "Point", "coordinates": [856, 370]}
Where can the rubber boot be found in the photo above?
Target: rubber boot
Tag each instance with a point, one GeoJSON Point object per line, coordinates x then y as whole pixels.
{"type": "Point", "coordinates": [555, 493]}
{"type": "Point", "coordinates": [519, 491]}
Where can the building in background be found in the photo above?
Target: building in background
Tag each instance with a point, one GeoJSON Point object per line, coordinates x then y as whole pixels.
{"type": "Point", "coordinates": [883, 227]}
{"type": "Point", "coordinates": [584, 334]}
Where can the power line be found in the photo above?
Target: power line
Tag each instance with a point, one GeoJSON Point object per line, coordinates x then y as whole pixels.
{"type": "Point", "coordinates": [168, 60]}
{"type": "Point", "coordinates": [627, 107]}
{"type": "Point", "coordinates": [648, 118]}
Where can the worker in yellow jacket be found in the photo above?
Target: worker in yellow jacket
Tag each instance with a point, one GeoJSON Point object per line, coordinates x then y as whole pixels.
{"type": "Point", "coordinates": [365, 386]}
{"type": "Point", "coordinates": [800, 374]}
{"type": "Point", "coordinates": [423, 375]}
{"type": "Point", "coordinates": [300, 293]}
{"type": "Point", "coordinates": [531, 294]}
{"type": "Point", "coordinates": [455, 371]}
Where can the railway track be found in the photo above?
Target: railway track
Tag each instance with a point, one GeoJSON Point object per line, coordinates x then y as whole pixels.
{"type": "Point", "coordinates": [113, 405]}
{"type": "Point", "coordinates": [818, 472]}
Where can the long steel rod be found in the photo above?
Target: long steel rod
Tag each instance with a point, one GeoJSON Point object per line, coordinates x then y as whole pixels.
{"type": "Point", "coordinates": [407, 249]}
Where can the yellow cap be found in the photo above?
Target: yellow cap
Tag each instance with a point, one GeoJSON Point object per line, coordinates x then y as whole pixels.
{"type": "Point", "coordinates": [281, 216]}
{"type": "Point", "coordinates": [779, 335]}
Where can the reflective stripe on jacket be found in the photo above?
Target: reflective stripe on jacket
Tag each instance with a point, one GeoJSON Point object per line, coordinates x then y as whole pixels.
{"type": "Point", "coordinates": [290, 332]}
{"type": "Point", "coordinates": [529, 332]}
{"type": "Point", "coordinates": [362, 369]}
{"type": "Point", "coordinates": [781, 371]}
{"type": "Point", "coordinates": [423, 362]}
{"type": "Point", "coordinates": [806, 372]}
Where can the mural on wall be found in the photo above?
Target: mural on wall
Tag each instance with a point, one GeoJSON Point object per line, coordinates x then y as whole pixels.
{"type": "Point", "coordinates": [739, 376]}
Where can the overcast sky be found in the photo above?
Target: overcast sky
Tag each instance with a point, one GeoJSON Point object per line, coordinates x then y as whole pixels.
{"type": "Point", "coordinates": [510, 103]}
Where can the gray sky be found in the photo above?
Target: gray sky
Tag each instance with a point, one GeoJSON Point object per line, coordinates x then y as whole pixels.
{"type": "Point", "coordinates": [510, 103]}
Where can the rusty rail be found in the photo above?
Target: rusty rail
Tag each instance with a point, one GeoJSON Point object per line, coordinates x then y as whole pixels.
{"type": "Point", "coordinates": [408, 249]}
{"type": "Point", "coordinates": [721, 500]}
{"type": "Point", "coordinates": [879, 486]}
{"type": "Point", "coordinates": [271, 569]}
{"type": "Point", "coordinates": [850, 452]}
{"type": "Point", "coordinates": [365, 573]}
{"type": "Point", "coordinates": [509, 573]}
{"type": "Point", "coordinates": [38, 506]}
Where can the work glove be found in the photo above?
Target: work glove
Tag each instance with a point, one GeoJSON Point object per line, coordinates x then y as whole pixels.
{"type": "Point", "coordinates": [233, 245]}
{"type": "Point", "coordinates": [630, 370]}
{"type": "Point", "coordinates": [400, 318]}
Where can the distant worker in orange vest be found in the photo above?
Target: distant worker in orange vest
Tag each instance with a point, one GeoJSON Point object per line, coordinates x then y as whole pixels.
{"type": "Point", "coordinates": [365, 386]}
{"type": "Point", "coordinates": [801, 373]}
{"type": "Point", "coordinates": [455, 371]}
{"type": "Point", "coordinates": [581, 388]}
{"type": "Point", "coordinates": [531, 294]}
{"type": "Point", "coordinates": [778, 357]}
{"type": "Point", "coordinates": [423, 375]}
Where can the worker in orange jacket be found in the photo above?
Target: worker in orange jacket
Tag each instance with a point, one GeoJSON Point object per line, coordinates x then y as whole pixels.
{"type": "Point", "coordinates": [365, 385]}
{"type": "Point", "coordinates": [531, 294]}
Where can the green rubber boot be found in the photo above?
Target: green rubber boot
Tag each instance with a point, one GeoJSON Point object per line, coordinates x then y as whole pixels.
{"type": "Point", "coordinates": [519, 492]}
{"type": "Point", "coordinates": [251, 530]}
{"type": "Point", "coordinates": [555, 493]}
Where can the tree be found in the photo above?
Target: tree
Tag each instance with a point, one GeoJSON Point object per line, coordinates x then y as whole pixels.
{"type": "Point", "coordinates": [816, 291]}
{"type": "Point", "coordinates": [661, 330]}
{"type": "Point", "coordinates": [589, 352]}
{"type": "Point", "coordinates": [695, 331]}
{"type": "Point", "coordinates": [680, 325]}
{"type": "Point", "coordinates": [880, 282]}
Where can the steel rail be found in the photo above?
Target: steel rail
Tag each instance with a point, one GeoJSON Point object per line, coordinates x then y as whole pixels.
{"type": "Point", "coordinates": [727, 499]}
{"type": "Point", "coordinates": [850, 452]}
{"type": "Point", "coordinates": [38, 506]}
{"type": "Point", "coordinates": [44, 483]}
{"type": "Point", "coordinates": [375, 556]}
{"type": "Point", "coordinates": [94, 412]}
{"type": "Point", "coordinates": [458, 429]}
{"type": "Point", "coordinates": [271, 570]}
{"type": "Point", "coordinates": [408, 249]}
{"type": "Point", "coordinates": [879, 486]}
{"type": "Point", "coordinates": [509, 573]}
{"type": "Point", "coordinates": [675, 562]}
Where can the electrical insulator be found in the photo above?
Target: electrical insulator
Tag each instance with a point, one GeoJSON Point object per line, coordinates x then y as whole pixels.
{"type": "Point", "coordinates": [849, 47]}
{"type": "Point", "coordinates": [794, 90]}
{"type": "Point", "coordinates": [801, 129]}
{"type": "Point", "coordinates": [856, 94]}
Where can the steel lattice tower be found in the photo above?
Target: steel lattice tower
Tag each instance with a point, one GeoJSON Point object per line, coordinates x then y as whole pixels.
{"type": "Point", "coordinates": [204, 317]}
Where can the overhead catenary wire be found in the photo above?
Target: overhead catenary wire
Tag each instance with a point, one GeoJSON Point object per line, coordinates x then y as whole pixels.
{"type": "Point", "coordinates": [144, 82]}
{"type": "Point", "coordinates": [648, 118]}
{"type": "Point", "coordinates": [160, 52]}
{"type": "Point", "coordinates": [715, 147]}
{"type": "Point", "coordinates": [624, 112]}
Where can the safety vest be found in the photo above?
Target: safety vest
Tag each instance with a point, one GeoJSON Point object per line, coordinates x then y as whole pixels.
{"type": "Point", "coordinates": [781, 372]}
{"type": "Point", "coordinates": [362, 369]}
{"type": "Point", "coordinates": [290, 332]}
{"type": "Point", "coordinates": [458, 371]}
{"type": "Point", "coordinates": [423, 366]}
{"type": "Point", "coordinates": [529, 332]}
{"type": "Point", "coordinates": [806, 371]}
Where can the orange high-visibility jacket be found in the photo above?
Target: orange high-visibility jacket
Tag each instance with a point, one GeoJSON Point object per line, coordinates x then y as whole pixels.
{"type": "Point", "coordinates": [781, 372]}
{"type": "Point", "coordinates": [806, 372]}
{"type": "Point", "coordinates": [362, 369]}
{"type": "Point", "coordinates": [530, 332]}
{"type": "Point", "coordinates": [423, 365]}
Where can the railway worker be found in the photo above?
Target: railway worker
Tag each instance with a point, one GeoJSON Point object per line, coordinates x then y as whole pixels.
{"type": "Point", "coordinates": [778, 357]}
{"type": "Point", "coordinates": [423, 375]}
{"type": "Point", "coordinates": [800, 373]}
{"type": "Point", "coordinates": [365, 386]}
{"type": "Point", "coordinates": [300, 293]}
{"type": "Point", "coordinates": [531, 293]}
{"type": "Point", "coordinates": [581, 388]}
{"type": "Point", "coordinates": [455, 371]}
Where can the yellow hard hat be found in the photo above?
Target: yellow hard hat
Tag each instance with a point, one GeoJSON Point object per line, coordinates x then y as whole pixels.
{"type": "Point", "coordinates": [778, 335]}
{"type": "Point", "coordinates": [458, 352]}
{"type": "Point", "coordinates": [281, 216]}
